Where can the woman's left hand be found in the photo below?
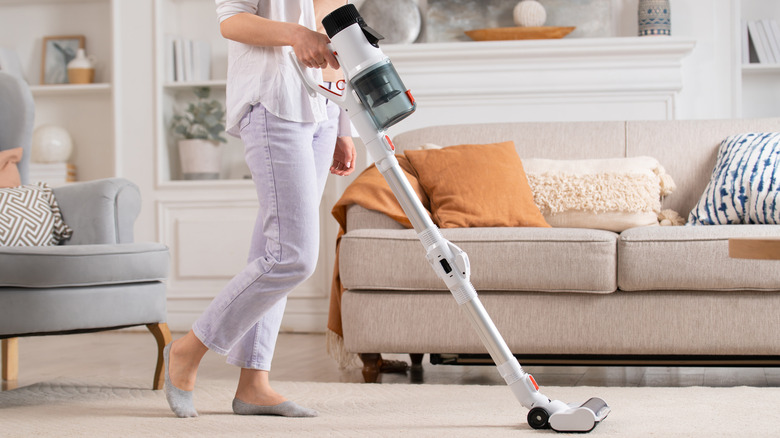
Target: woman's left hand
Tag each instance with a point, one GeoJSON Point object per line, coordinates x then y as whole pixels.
{"type": "Point", "coordinates": [343, 157]}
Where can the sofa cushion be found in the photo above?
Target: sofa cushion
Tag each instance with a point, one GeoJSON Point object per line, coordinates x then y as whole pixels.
{"type": "Point", "coordinates": [476, 185]}
{"type": "Point", "coordinates": [742, 189]}
{"type": "Point", "coordinates": [82, 265]}
{"type": "Point", "coordinates": [692, 258]}
{"type": "Point", "coordinates": [502, 259]}
{"type": "Point", "coordinates": [609, 194]}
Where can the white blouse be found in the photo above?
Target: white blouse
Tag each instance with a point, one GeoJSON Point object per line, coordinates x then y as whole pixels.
{"type": "Point", "coordinates": [266, 74]}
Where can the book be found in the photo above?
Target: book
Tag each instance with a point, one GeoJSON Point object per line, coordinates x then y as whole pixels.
{"type": "Point", "coordinates": [52, 173]}
{"type": "Point", "coordinates": [178, 56]}
{"type": "Point", "coordinates": [772, 40]}
{"type": "Point", "coordinates": [745, 43]}
{"type": "Point", "coordinates": [170, 61]}
{"type": "Point", "coordinates": [759, 42]}
{"type": "Point", "coordinates": [776, 32]}
{"type": "Point", "coordinates": [187, 58]}
{"type": "Point", "coordinates": [201, 60]}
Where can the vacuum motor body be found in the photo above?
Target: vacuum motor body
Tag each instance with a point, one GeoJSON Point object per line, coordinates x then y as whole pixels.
{"type": "Point", "coordinates": [371, 74]}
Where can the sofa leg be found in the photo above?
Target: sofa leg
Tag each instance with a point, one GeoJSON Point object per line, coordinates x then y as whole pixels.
{"type": "Point", "coordinates": [162, 335]}
{"type": "Point", "coordinates": [371, 364]}
{"type": "Point", "coordinates": [416, 359]}
{"type": "Point", "coordinates": [10, 354]}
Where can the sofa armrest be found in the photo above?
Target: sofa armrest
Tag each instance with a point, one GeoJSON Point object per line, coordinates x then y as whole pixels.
{"type": "Point", "coordinates": [359, 218]}
{"type": "Point", "coordinates": [100, 211]}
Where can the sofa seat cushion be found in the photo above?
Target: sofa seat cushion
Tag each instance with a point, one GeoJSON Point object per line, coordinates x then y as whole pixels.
{"type": "Point", "coordinates": [502, 259]}
{"type": "Point", "coordinates": [82, 265]}
{"type": "Point", "coordinates": [692, 258]}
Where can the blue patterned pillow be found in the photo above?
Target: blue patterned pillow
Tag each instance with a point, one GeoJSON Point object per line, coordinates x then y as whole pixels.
{"type": "Point", "coordinates": [745, 184]}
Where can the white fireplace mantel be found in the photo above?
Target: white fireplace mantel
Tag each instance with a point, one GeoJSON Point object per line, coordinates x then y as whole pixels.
{"type": "Point", "coordinates": [626, 78]}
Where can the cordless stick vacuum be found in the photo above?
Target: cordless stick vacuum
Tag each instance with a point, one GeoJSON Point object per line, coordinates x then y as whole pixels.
{"type": "Point", "coordinates": [375, 99]}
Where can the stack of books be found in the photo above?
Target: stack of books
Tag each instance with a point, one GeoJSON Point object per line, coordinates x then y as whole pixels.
{"type": "Point", "coordinates": [52, 173]}
{"type": "Point", "coordinates": [761, 42]}
{"type": "Point", "coordinates": [187, 60]}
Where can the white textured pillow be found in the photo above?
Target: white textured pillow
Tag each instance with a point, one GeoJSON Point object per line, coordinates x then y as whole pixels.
{"type": "Point", "coordinates": [744, 188]}
{"type": "Point", "coordinates": [610, 194]}
{"type": "Point", "coordinates": [30, 216]}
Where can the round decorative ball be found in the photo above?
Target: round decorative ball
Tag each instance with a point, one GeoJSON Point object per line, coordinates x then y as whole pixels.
{"type": "Point", "coordinates": [529, 13]}
{"type": "Point", "coordinates": [51, 144]}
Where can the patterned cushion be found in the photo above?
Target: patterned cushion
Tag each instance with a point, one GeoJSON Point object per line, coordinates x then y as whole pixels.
{"type": "Point", "coordinates": [30, 216]}
{"type": "Point", "coordinates": [744, 184]}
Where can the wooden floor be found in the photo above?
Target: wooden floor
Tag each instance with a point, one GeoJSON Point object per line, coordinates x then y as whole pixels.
{"type": "Point", "coordinates": [302, 357]}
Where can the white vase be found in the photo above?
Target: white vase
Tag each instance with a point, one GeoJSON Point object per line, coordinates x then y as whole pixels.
{"type": "Point", "coordinates": [529, 13]}
{"type": "Point", "coordinates": [200, 159]}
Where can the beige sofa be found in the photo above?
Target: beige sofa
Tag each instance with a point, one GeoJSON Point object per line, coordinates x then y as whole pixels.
{"type": "Point", "coordinates": [564, 295]}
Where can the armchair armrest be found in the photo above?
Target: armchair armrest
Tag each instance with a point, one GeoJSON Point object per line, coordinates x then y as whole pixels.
{"type": "Point", "coordinates": [100, 211]}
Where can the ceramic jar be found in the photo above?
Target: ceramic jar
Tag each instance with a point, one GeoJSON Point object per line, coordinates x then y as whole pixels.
{"type": "Point", "coordinates": [655, 17]}
{"type": "Point", "coordinates": [81, 69]}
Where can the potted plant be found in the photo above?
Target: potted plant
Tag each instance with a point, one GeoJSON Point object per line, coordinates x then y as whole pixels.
{"type": "Point", "coordinates": [200, 128]}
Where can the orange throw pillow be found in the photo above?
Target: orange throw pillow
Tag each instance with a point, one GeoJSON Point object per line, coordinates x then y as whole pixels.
{"type": "Point", "coordinates": [9, 173]}
{"type": "Point", "coordinates": [477, 186]}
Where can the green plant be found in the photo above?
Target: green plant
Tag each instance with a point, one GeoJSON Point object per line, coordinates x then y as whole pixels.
{"type": "Point", "coordinates": [203, 119]}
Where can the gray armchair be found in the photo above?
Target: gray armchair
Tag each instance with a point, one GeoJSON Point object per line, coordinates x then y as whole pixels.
{"type": "Point", "coordinates": [96, 280]}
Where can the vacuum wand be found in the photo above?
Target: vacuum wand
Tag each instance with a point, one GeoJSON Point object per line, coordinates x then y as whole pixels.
{"type": "Point", "coordinates": [375, 98]}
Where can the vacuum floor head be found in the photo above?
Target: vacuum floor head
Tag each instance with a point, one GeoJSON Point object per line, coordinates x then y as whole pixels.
{"type": "Point", "coordinates": [582, 418]}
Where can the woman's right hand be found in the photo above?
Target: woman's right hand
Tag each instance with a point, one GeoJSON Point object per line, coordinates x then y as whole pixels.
{"type": "Point", "coordinates": [312, 50]}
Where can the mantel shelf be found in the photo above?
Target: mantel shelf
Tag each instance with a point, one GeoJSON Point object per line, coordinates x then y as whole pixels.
{"type": "Point", "coordinates": [561, 79]}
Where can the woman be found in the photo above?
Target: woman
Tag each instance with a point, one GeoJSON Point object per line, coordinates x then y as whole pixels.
{"type": "Point", "coordinates": [289, 140]}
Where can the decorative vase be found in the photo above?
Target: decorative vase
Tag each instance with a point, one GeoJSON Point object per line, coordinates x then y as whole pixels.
{"type": "Point", "coordinates": [529, 13]}
{"type": "Point", "coordinates": [50, 144]}
{"type": "Point", "coordinates": [200, 159]}
{"type": "Point", "coordinates": [655, 17]}
{"type": "Point", "coordinates": [81, 70]}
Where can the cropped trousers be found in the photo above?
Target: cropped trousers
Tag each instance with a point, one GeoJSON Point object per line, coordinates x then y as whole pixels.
{"type": "Point", "coordinates": [289, 162]}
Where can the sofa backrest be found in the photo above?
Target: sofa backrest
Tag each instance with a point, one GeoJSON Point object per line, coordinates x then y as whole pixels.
{"type": "Point", "coordinates": [686, 148]}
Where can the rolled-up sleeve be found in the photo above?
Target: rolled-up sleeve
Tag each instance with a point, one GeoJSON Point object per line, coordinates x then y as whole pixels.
{"type": "Point", "coordinates": [229, 8]}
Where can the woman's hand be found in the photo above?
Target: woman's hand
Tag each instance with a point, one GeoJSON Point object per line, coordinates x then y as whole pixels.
{"type": "Point", "coordinates": [343, 157]}
{"type": "Point", "coordinates": [312, 50]}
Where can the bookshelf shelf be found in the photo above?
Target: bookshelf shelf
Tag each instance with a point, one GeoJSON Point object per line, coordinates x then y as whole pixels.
{"type": "Point", "coordinates": [760, 68]}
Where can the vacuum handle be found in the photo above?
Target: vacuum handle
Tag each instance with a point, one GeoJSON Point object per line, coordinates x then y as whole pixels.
{"type": "Point", "coordinates": [314, 88]}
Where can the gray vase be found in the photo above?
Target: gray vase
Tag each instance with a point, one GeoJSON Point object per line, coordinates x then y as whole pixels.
{"type": "Point", "coordinates": [655, 18]}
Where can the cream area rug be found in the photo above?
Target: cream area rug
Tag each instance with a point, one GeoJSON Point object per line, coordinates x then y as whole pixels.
{"type": "Point", "coordinates": [127, 409]}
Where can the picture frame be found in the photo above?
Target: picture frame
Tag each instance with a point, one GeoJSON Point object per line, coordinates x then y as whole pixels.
{"type": "Point", "coordinates": [58, 51]}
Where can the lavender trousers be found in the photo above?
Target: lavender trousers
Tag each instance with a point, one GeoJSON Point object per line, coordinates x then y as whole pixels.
{"type": "Point", "coordinates": [289, 162]}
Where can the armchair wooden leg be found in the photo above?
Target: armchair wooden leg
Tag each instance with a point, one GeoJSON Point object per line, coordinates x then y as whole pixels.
{"type": "Point", "coordinates": [162, 334]}
{"type": "Point", "coordinates": [10, 359]}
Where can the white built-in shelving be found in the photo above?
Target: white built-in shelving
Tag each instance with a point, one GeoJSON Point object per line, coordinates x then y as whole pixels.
{"type": "Point", "coordinates": [88, 112]}
{"type": "Point", "coordinates": [757, 86]}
